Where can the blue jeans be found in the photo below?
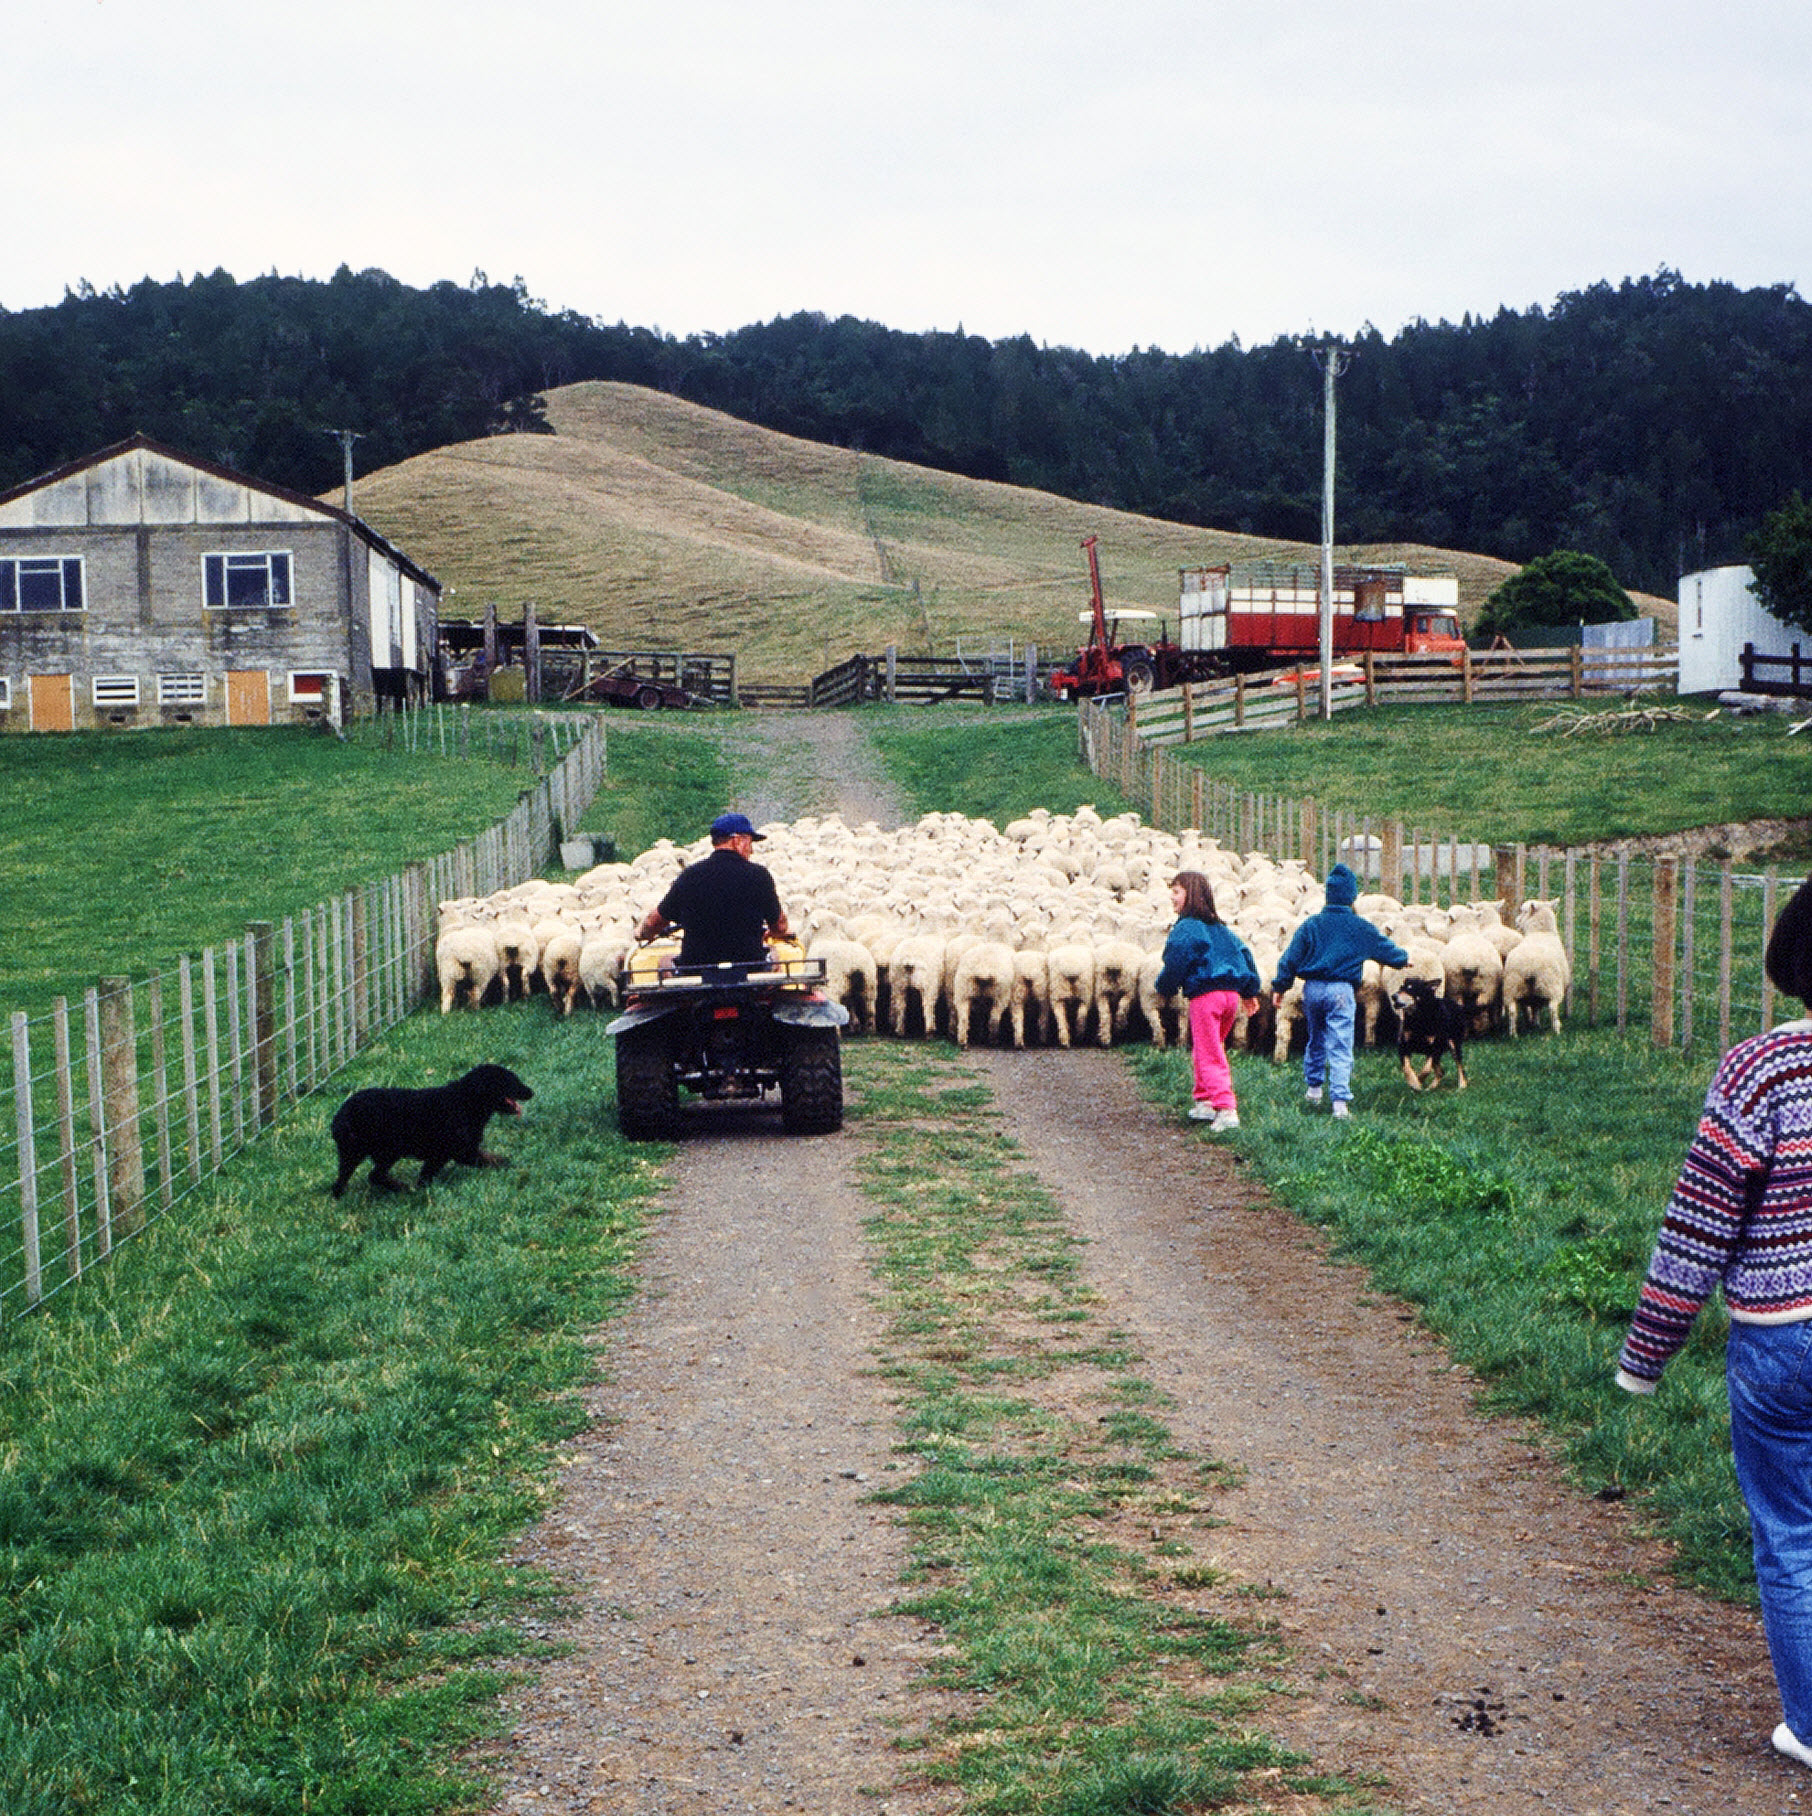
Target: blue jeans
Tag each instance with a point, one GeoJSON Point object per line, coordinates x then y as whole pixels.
{"type": "Point", "coordinates": [1328, 1010]}
{"type": "Point", "coordinates": [1769, 1371]}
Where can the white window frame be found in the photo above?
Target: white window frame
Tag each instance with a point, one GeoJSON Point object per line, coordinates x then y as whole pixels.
{"type": "Point", "coordinates": [182, 690]}
{"type": "Point", "coordinates": [6, 693]}
{"type": "Point", "coordinates": [70, 571]}
{"type": "Point", "coordinates": [217, 587]}
{"type": "Point", "coordinates": [114, 692]}
{"type": "Point", "coordinates": [318, 697]}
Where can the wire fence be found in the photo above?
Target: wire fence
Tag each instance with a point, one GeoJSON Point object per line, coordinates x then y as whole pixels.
{"type": "Point", "coordinates": [1667, 945]}
{"type": "Point", "coordinates": [124, 1102]}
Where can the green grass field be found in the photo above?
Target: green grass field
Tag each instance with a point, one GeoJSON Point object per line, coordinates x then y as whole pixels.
{"type": "Point", "coordinates": [139, 848]}
{"type": "Point", "coordinates": [1484, 773]}
{"type": "Point", "coordinates": [256, 1474]}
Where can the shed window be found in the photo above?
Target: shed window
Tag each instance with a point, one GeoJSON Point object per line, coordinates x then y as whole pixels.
{"type": "Point", "coordinates": [6, 693]}
{"type": "Point", "coordinates": [116, 690]}
{"type": "Point", "coordinates": [309, 688]}
{"type": "Point", "coordinates": [246, 580]}
{"type": "Point", "coordinates": [41, 583]}
{"type": "Point", "coordinates": [182, 690]}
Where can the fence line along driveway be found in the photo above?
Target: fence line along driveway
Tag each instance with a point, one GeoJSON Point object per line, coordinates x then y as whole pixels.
{"type": "Point", "coordinates": [125, 1104]}
{"type": "Point", "coordinates": [1289, 696]}
{"type": "Point", "coordinates": [1671, 942]}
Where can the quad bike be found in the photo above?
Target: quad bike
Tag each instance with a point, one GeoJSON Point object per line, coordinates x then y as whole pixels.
{"type": "Point", "coordinates": [726, 1033]}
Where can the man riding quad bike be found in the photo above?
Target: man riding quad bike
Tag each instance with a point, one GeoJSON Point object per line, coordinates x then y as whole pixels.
{"type": "Point", "coordinates": [732, 1012]}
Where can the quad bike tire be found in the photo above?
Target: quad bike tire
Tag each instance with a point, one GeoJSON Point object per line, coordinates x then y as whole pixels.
{"type": "Point", "coordinates": [811, 1082]}
{"type": "Point", "coordinates": [647, 1092]}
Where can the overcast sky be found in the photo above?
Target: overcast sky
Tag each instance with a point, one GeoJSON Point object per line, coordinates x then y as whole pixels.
{"type": "Point", "coordinates": [1155, 173]}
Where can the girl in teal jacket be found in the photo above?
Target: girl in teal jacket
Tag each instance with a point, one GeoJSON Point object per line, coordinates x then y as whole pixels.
{"type": "Point", "coordinates": [1213, 967]}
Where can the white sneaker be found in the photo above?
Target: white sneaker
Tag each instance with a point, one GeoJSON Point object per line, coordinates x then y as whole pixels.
{"type": "Point", "coordinates": [1786, 1741]}
{"type": "Point", "coordinates": [1227, 1119]}
{"type": "Point", "coordinates": [1203, 1112]}
{"type": "Point", "coordinates": [1341, 1112]}
{"type": "Point", "coordinates": [1312, 1094]}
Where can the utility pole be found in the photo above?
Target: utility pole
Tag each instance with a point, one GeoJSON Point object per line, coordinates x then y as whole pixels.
{"type": "Point", "coordinates": [346, 437]}
{"type": "Point", "coordinates": [1332, 360]}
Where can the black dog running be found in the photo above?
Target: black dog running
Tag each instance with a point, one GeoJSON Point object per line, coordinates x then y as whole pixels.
{"type": "Point", "coordinates": [445, 1122]}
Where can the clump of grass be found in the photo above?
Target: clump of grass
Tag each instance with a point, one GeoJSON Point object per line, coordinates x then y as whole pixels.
{"type": "Point", "coordinates": [1053, 1527]}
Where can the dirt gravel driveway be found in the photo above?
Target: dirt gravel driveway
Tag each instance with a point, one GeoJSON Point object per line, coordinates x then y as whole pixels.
{"type": "Point", "coordinates": [1465, 1625]}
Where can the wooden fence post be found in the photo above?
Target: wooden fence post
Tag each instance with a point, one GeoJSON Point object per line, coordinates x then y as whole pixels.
{"type": "Point", "coordinates": [1390, 857]}
{"type": "Point", "coordinates": [1665, 887]}
{"type": "Point", "coordinates": [119, 1075]}
{"type": "Point", "coordinates": [28, 1159]}
{"type": "Point", "coordinates": [97, 1123]}
{"type": "Point", "coordinates": [191, 1092]}
{"type": "Point", "coordinates": [1689, 914]}
{"type": "Point", "coordinates": [261, 975]}
{"type": "Point", "coordinates": [358, 913]}
{"type": "Point", "coordinates": [1576, 663]}
{"type": "Point", "coordinates": [1726, 913]}
{"type": "Point", "coordinates": [1594, 908]}
{"type": "Point", "coordinates": [160, 1088]}
{"type": "Point", "coordinates": [1623, 941]}
{"type": "Point", "coordinates": [1466, 674]}
{"type": "Point", "coordinates": [1506, 863]}
{"type": "Point", "coordinates": [66, 1148]}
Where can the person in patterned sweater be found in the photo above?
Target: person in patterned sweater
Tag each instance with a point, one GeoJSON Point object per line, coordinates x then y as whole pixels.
{"type": "Point", "coordinates": [1740, 1218]}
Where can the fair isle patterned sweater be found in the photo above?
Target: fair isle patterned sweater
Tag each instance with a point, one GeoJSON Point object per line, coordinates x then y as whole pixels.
{"type": "Point", "coordinates": [1741, 1213]}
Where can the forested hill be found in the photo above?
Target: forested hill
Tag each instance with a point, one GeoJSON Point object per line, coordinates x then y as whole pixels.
{"type": "Point", "coordinates": [1651, 422]}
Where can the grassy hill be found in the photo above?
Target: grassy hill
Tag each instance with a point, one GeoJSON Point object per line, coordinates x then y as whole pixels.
{"type": "Point", "coordinates": [664, 525]}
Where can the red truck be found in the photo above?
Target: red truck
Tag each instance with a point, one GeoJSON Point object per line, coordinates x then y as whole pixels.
{"type": "Point", "coordinates": [1256, 615]}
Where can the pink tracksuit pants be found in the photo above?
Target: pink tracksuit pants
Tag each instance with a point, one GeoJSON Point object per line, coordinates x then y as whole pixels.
{"type": "Point", "coordinates": [1211, 1019]}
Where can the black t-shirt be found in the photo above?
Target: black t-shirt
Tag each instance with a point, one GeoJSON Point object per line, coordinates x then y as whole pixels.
{"type": "Point", "coordinates": [724, 902]}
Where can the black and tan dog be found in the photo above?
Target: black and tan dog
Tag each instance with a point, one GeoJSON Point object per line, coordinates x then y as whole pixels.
{"type": "Point", "coordinates": [1430, 1028]}
{"type": "Point", "coordinates": [445, 1122]}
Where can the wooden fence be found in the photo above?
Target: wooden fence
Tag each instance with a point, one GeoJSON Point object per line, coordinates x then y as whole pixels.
{"type": "Point", "coordinates": [1789, 675]}
{"type": "Point", "coordinates": [1672, 945]}
{"type": "Point", "coordinates": [1205, 709]}
{"type": "Point", "coordinates": [123, 1103]}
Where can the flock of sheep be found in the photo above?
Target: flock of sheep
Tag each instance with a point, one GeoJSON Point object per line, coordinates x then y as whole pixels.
{"type": "Point", "coordinates": [1048, 931]}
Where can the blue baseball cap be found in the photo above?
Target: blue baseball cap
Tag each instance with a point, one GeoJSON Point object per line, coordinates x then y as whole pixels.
{"type": "Point", "coordinates": [729, 825]}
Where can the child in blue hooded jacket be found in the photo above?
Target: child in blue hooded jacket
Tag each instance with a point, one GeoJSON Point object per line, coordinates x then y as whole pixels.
{"type": "Point", "coordinates": [1328, 952]}
{"type": "Point", "coordinates": [1212, 966]}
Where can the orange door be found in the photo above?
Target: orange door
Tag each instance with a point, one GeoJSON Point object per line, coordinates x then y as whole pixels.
{"type": "Point", "coordinates": [52, 702]}
{"type": "Point", "coordinates": [248, 696]}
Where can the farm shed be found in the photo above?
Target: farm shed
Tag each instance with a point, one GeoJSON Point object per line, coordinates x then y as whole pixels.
{"type": "Point", "coordinates": [145, 587]}
{"type": "Point", "coordinates": [1718, 615]}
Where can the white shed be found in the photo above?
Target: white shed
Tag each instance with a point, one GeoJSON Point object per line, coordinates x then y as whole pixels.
{"type": "Point", "coordinates": [1718, 615]}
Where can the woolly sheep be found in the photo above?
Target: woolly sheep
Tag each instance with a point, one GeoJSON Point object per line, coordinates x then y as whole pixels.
{"type": "Point", "coordinates": [917, 971]}
{"type": "Point", "coordinates": [1475, 976]}
{"type": "Point", "coordinates": [1117, 964]}
{"type": "Point", "coordinates": [560, 956]}
{"type": "Point", "coordinates": [1536, 974]}
{"type": "Point", "coordinates": [983, 985]}
{"type": "Point", "coordinates": [850, 978]}
{"type": "Point", "coordinates": [465, 960]}
{"type": "Point", "coordinates": [1071, 968]}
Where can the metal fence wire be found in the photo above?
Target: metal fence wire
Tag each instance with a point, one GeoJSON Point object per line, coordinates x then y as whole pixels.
{"type": "Point", "coordinates": [122, 1103]}
{"type": "Point", "coordinates": [1667, 945]}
